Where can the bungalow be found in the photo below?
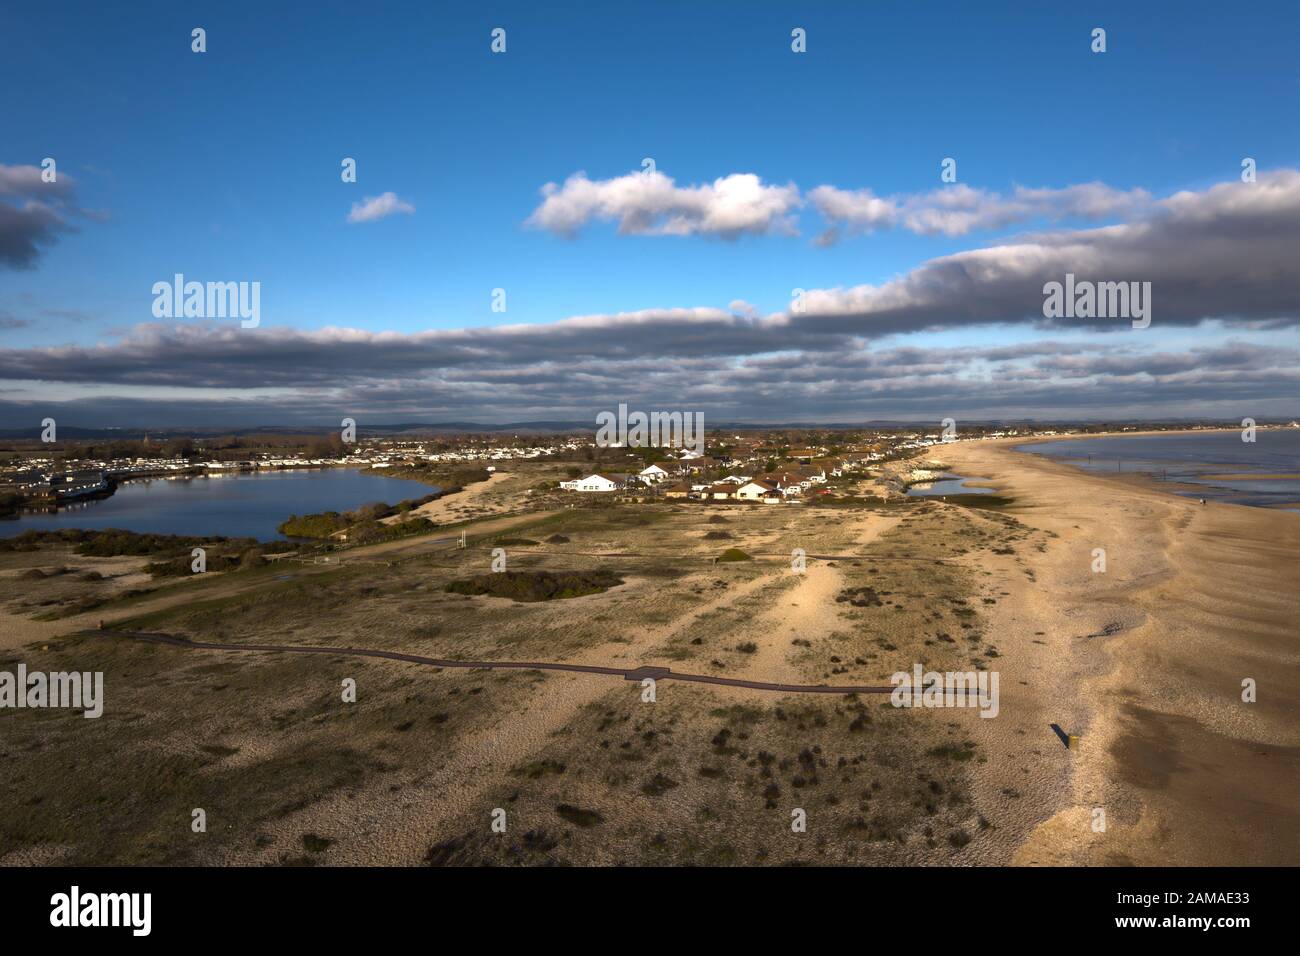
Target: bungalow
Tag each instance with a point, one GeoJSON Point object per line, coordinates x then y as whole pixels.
{"type": "Point", "coordinates": [652, 474]}
{"type": "Point", "coordinates": [802, 478]}
{"type": "Point", "coordinates": [754, 490]}
{"type": "Point", "coordinates": [720, 492]}
{"type": "Point", "coordinates": [698, 464]}
{"type": "Point", "coordinates": [678, 491]}
{"type": "Point", "coordinates": [596, 482]}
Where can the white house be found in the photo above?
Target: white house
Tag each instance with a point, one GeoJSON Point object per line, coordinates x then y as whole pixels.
{"type": "Point", "coordinates": [754, 490]}
{"type": "Point", "coordinates": [652, 474]}
{"type": "Point", "coordinates": [595, 482]}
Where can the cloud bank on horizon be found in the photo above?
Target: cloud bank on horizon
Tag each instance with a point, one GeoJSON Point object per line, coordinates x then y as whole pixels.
{"type": "Point", "coordinates": [1220, 257]}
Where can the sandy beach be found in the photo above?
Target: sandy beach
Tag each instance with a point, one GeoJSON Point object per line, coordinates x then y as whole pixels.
{"type": "Point", "coordinates": [1146, 662]}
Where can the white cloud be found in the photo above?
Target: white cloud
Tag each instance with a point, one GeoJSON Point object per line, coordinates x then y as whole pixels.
{"type": "Point", "coordinates": [27, 181]}
{"type": "Point", "coordinates": [651, 203]}
{"type": "Point", "coordinates": [959, 209]}
{"type": "Point", "coordinates": [379, 207]}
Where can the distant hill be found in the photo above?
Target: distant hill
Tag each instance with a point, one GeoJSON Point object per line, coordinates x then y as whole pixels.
{"type": "Point", "coordinates": [561, 427]}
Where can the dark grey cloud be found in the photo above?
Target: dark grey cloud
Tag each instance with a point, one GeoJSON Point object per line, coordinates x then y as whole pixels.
{"type": "Point", "coordinates": [1225, 253]}
{"type": "Point", "coordinates": [33, 214]}
{"type": "Point", "coordinates": [1045, 380]}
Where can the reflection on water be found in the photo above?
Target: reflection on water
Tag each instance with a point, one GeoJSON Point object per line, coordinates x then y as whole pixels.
{"type": "Point", "coordinates": [243, 505]}
{"type": "Point", "coordinates": [1263, 473]}
{"type": "Point", "coordinates": [949, 484]}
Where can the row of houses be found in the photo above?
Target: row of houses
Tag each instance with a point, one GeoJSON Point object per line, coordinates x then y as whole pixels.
{"type": "Point", "coordinates": [773, 487]}
{"type": "Point", "coordinates": [70, 484]}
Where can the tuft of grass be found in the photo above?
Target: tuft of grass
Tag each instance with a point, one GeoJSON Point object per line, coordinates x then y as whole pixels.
{"type": "Point", "coordinates": [313, 843]}
{"type": "Point", "coordinates": [658, 785]}
{"type": "Point", "coordinates": [578, 816]}
{"type": "Point", "coordinates": [540, 768]}
{"type": "Point", "coordinates": [960, 752]}
{"type": "Point", "coordinates": [536, 585]}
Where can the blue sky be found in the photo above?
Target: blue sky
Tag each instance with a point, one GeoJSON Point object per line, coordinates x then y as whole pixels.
{"type": "Point", "coordinates": [225, 165]}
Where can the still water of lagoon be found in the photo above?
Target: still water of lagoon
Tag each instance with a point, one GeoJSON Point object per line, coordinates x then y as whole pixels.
{"type": "Point", "coordinates": [947, 485]}
{"type": "Point", "coordinates": [245, 505]}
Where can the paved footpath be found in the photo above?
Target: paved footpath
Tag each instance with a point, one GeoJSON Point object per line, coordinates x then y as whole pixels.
{"type": "Point", "coordinates": [632, 674]}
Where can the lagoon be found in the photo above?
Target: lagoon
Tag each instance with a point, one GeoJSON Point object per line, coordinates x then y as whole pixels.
{"type": "Point", "coordinates": [948, 484]}
{"type": "Point", "coordinates": [242, 505]}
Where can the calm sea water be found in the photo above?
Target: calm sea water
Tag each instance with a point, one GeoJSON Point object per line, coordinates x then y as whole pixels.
{"type": "Point", "coordinates": [1222, 466]}
{"type": "Point", "coordinates": [237, 506]}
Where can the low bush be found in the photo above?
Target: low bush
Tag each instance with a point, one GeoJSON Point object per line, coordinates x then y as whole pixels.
{"type": "Point", "coordinates": [536, 585]}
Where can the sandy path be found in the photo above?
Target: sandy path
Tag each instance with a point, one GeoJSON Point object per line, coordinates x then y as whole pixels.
{"type": "Point", "coordinates": [1198, 597]}
{"type": "Point", "coordinates": [455, 507]}
{"type": "Point", "coordinates": [806, 611]}
{"type": "Point", "coordinates": [441, 541]}
{"type": "Point", "coordinates": [17, 630]}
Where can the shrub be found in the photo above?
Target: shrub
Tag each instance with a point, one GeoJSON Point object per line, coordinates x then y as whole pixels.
{"type": "Point", "coordinates": [315, 844]}
{"type": "Point", "coordinates": [115, 542]}
{"type": "Point", "coordinates": [536, 585]}
{"type": "Point", "coordinates": [578, 816]}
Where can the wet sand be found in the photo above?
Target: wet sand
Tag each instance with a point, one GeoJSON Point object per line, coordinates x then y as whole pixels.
{"type": "Point", "coordinates": [1146, 661]}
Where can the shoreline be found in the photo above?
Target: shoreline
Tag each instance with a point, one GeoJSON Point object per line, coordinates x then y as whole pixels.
{"type": "Point", "coordinates": [1146, 661]}
{"type": "Point", "coordinates": [1141, 479]}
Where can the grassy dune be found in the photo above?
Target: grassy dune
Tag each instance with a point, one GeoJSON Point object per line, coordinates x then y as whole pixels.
{"type": "Point", "coordinates": [289, 773]}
